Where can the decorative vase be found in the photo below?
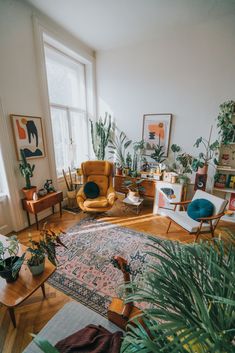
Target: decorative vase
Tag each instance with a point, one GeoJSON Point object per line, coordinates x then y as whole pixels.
{"type": "Point", "coordinates": [38, 269]}
{"type": "Point", "coordinates": [28, 193]}
{"type": "Point", "coordinates": [6, 272]}
{"type": "Point", "coordinates": [203, 170]}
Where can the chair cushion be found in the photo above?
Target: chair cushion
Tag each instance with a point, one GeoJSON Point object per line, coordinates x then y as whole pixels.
{"type": "Point", "coordinates": [200, 208]}
{"type": "Point", "coordinates": [98, 202]}
{"type": "Point", "coordinates": [91, 190]}
{"type": "Point", "coordinates": [182, 219]}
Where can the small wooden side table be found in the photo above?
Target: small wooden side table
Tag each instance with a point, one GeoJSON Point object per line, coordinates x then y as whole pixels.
{"type": "Point", "coordinates": [50, 200]}
{"type": "Point", "coordinates": [12, 294]}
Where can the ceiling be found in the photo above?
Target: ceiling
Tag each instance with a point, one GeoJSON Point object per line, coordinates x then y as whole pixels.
{"type": "Point", "coordinates": [108, 24]}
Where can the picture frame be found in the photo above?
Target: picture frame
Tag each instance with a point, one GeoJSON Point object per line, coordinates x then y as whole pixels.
{"type": "Point", "coordinates": [156, 130]}
{"type": "Point", "coordinates": [28, 135]}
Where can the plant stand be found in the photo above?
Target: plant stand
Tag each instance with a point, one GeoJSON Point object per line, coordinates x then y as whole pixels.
{"type": "Point", "coordinates": [133, 206]}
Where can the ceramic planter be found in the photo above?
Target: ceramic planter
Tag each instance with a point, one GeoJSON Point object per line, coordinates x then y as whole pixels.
{"type": "Point", "coordinates": [133, 196]}
{"type": "Point", "coordinates": [28, 193]}
{"type": "Point", "coordinates": [6, 272]}
{"type": "Point", "coordinates": [38, 269]}
{"type": "Point", "coordinates": [203, 170]}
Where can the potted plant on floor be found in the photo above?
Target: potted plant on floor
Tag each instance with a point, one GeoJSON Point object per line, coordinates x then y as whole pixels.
{"type": "Point", "coordinates": [46, 246]}
{"type": "Point", "coordinates": [10, 262]}
{"type": "Point", "coordinates": [27, 172]}
{"type": "Point", "coordinates": [188, 292]}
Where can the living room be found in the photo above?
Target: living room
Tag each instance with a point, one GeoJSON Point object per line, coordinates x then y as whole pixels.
{"type": "Point", "coordinates": [155, 69]}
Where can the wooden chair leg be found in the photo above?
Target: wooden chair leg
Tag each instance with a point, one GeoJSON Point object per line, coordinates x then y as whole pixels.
{"type": "Point", "coordinates": [212, 229]}
{"type": "Point", "coordinates": [168, 227]}
{"type": "Point", "coordinates": [198, 231]}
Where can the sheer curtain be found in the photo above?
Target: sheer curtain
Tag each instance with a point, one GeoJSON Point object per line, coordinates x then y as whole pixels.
{"type": "Point", "coordinates": [67, 94]}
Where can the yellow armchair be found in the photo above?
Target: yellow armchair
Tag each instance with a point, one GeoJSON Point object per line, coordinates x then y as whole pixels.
{"type": "Point", "coordinates": [101, 173]}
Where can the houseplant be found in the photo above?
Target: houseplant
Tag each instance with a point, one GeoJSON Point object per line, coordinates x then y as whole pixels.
{"type": "Point", "coordinates": [46, 246]}
{"type": "Point", "coordinates": [200, 164]}
{"type": "Point", "coordinates": [190, 295]}
{"type": "Point", "coordinates": [27, 172]}
{"type": "Point", "coordinates": [10, 263]}
{"type": "Point", "coordinates": [100, 134]}
{"type": "Point", "coordinates": [134, 188]}
{"type": "Point", "coordinates": [225, 123]}
{"type": "Point", "coordinates": [117, 147]}
{"type": "Point", "coordinates": [138, 148]}
{"type": "Point", "coordinates": [158, 154]}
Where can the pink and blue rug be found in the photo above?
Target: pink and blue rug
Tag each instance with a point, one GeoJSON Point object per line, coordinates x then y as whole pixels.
{"type": "Point", "coordinates": [84, 270]}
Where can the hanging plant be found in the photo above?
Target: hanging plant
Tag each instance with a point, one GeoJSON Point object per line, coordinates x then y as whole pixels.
{"type": "Point", "coordinates": [224, 121]}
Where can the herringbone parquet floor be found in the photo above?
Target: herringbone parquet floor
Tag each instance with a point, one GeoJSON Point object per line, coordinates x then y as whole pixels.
{"type": "Point", "coordinates": [35, 312]}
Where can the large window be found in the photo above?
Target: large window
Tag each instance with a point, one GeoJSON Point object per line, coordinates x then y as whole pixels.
{"type": "Point", "coordinates": [66, 78]}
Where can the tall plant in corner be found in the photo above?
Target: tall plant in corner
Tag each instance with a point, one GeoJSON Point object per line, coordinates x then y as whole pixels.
{"type": "Point", "coordinates": [100, 134]}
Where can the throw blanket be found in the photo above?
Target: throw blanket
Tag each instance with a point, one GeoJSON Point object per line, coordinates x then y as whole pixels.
{"type": "Point", "coordinates": [91, 339]}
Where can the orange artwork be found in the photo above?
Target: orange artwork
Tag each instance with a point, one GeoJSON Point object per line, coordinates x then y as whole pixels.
{"type": "Point", "coordinates": [21, 131]}
{"type": "Point", "coordinates": [156, 130]}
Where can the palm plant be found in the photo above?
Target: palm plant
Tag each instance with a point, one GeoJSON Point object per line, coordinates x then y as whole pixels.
{"type": "Point", "coordinates": [190, 293]}
{"type": "Point", "coordinates": [118, 146]}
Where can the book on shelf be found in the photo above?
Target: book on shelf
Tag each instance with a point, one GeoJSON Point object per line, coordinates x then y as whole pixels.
{"type": "Point", "coordinates": [221, 180]}
{"type": "Point", "coordinates": [231, 205]}
{"type": "Point", "coordinates": [230, 181]}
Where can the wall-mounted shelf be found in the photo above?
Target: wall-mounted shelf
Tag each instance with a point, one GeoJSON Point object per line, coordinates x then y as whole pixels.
{"type": "Point", "coordinates": [225, 169]}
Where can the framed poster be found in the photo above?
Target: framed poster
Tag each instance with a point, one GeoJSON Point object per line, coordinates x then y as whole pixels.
{"type": "Point", "coordinates": [28, 135]}
{"type": "Point", "coordinates": [165, 194]}
{"type": "Point", "coordinates": [156, 131]}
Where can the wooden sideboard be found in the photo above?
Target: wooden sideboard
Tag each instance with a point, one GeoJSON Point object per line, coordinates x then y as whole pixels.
{"type": "Point", "coordinates": [148, 184]}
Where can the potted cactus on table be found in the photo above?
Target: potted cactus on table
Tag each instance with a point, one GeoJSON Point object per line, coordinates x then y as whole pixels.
{"type": "Point", "coordinates": [26, 170]}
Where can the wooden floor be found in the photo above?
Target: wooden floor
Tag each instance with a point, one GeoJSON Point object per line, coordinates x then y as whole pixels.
{"type": "Point", "coordinates": [35, 312]}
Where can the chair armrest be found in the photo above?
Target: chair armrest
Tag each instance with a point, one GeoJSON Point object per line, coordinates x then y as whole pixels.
{"type": "Point", "coordinates": [203, 219]}
{"type": "Point", "coordinates": [81, 197]}
{"type": "Point", "coordinates": [181, 202]}
{"type": "Point", "coordinates": [111, 195]}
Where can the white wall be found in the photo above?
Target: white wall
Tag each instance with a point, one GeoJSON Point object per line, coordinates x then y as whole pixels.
{"type": "Point", "coordinates": [20, 92]}
{"type": "Point", "coordinates": [188, 73]}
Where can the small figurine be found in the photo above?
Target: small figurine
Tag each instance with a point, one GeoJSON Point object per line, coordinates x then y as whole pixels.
{"type": "Point", "coordinates": [48, 186]}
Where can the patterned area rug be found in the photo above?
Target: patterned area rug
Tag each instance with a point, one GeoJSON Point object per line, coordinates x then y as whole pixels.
{"type": "Point", "coordinates": [85, 272]}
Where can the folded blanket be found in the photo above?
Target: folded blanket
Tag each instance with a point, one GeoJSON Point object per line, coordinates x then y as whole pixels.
{"type": "Point", "coordinates": [91, 339]}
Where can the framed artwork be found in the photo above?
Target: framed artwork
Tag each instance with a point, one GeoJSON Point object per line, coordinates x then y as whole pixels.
{"type": "Point", "coordinates": [166, 194]}
{"type": "Point", "coordinates": [28, 135]}
{"type": "Point", "coordinates": [232, 202]}
{"type": "Point", "coordinates": [156, 131]}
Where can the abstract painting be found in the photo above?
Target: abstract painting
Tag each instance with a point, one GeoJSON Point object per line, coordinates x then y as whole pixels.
{"type": "Point", "coordinates": [28, 136]}
{"type": "Point", "coordinates": [166, 194]}
{"type": "Point", "coordinates": [156, 131]}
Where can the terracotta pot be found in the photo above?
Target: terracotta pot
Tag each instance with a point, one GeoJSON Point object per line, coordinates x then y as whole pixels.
{"type": "Point", "coordinates": [203, 170]}
{"type": "Point", "coordinates": [28, 193]}
{"type": "Point", "coordinates": [119, 171]}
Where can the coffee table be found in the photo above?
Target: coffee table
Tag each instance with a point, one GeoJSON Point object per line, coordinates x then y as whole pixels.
{"type": "Point", "coordinates": [13, 294]}
{"type": "Point", "coordinates": [133, 205]}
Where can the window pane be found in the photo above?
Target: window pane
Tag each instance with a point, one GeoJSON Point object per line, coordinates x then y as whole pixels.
{"type": "Point", "coordinates": [79, 129]}
{"type": "Point", "coordinates": [61, 139]}
{"type": "Point", "coordinates": [66, 80]}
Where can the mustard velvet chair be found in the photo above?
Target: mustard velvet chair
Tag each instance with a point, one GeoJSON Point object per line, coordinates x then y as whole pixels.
{"type": "Point", "coordinates": [101, 173]}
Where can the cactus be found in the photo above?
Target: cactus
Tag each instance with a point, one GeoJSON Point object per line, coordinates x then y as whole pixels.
{"type": "Point", "coordinates": [26, 170]}
{"type": "Point", "coordinates": [100, 133]}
